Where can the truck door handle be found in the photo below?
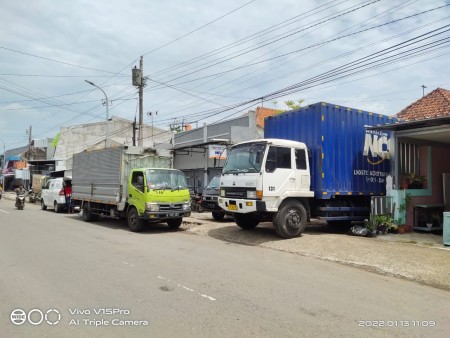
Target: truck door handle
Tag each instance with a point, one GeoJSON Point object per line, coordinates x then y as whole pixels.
{"type": "Point", "coordinates": [129, 195]}
{"type": "Point", "coordinates": [292, 178]}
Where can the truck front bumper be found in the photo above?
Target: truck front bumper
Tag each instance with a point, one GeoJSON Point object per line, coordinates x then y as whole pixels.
{"type": "Point", "coordinates": [242, 206]}
{"type": "Point", "coordinates": [162, 215]}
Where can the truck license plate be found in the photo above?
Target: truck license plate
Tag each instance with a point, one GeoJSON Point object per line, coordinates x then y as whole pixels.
{"type": "Point", "coordinates": [174, 214]}
{"type": "Point", "coordinates": [232, 207]}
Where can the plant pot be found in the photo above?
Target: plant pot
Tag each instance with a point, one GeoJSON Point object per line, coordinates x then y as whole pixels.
{"type": "Point", "coordinates": [401, 230]}
{"type": "Point", "coordinates": [415, 185]}
{"type": "Point", "coordinates": [429, 225]}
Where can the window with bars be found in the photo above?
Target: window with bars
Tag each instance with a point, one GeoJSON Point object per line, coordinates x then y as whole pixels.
{"type": "Point", "coordinates": [411, 172]}
{"type": "Point", "coordinates": [409, 160]}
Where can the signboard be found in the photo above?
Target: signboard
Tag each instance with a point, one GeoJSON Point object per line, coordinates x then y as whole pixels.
{"type": "Point", "coordinates": [217, 151]}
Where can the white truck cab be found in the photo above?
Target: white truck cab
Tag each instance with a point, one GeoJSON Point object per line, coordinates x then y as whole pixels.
{"type": "Point", "coordinates": [268, 179]}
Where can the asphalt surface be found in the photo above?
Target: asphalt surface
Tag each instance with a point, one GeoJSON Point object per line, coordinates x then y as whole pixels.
{"type": "Point", "coordinates": [419, 257]}
{"type": "Point", "coordinates": [179, 284]}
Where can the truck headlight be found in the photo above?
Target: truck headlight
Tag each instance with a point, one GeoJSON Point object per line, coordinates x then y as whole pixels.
{"type": "Point", "coordinates": [222, 192]}
{"type": "Point", "coordinates": [151, 207]}
{"type": "Point", "coordinates": [251, 194]}
{"type": "Point", "coordinates": [186, 206]}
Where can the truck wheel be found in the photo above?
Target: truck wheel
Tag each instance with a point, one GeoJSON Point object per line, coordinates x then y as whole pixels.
{"type": "Point", "coordinates": [43, 206]}
{"type": "Point", "coordinates": [134, 222]}
{"type": "Point", "coordinates": [87, 216]}
{"type": "Point", "coordinates": [246, 221]}
{"type": "Point", "coordinates": [57, 208]}
{"type": "Point", "coordinates": [218, 216]}
{"type": "Point", "coordinates": [174, 223]}
{"type": "Point", "coordinates": [290, 220]}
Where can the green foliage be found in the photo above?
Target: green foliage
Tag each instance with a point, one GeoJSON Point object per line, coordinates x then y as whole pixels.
{"type": "Point", "coordinates": [406, 203]}
{"type": "Point", "coordinates": [290, 104]}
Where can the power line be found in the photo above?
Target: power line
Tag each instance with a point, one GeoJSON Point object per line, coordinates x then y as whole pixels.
{"type": "Point", "coordinates": [197, 29]}
{"type": "Point", "coordinates": [53, 60]}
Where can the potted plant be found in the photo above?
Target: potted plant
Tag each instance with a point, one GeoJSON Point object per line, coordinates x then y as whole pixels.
{"type": "Point", "coordinates": [415, 181]}
{"type": "Point", "coordinates": [384, 223]}
{"type": "Point", "coordinates": [437, 219]}
{"type": "Point", "coordinates": [371, 225]}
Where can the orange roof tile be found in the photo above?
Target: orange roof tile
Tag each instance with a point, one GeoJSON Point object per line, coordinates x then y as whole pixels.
{"type": "Point", "coordinates": [262, 113]}
{"type": "Point", "coordinates": [434, 104]}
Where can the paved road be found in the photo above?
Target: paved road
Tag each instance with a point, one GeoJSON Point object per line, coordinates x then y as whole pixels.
{"type": "Point", "coordinates": [185, 285]}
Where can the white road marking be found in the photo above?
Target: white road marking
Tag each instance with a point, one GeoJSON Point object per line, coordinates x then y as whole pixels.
{"type": "Point", "coordinates": [186, 288]}
{"type": "Point", "coordinates": [4, 211]}
{"type": "Point", "coordinates": [128, 264]}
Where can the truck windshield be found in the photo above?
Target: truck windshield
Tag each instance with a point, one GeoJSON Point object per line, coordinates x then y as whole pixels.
{"type": "Point", "coordinates": [215, 183]}
{"type": "Point", "coordinates": [158, 179]}
{"type": "Point", "coordinates": [245, 158]}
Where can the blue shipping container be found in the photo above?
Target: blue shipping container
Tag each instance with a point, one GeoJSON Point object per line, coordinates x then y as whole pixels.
{"type": "Point", "coordinates": [346, 159]}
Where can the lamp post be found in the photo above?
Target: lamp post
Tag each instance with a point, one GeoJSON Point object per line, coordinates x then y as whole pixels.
{"type": "Point", "coordinates": [3, 164]}
{"type": "Point", "coordinates": [107, 112]}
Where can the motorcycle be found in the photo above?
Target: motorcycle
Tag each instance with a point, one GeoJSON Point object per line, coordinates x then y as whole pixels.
{"type": "Point", "coordinates": [196, 203]}
{"type": "Point", "coordinates": [20, 200]}
{"type": "Point", "coordinates": [31, 196]}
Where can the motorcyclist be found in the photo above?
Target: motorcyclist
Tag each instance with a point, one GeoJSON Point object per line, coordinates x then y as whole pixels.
{"type": "Point", "coordinates": [19, 191]}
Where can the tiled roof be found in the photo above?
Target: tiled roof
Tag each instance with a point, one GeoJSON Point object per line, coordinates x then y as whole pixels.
{"type": "Point", "coordinates": [434, 104]}
{"type": "Point", "coordinates": [262, 113]}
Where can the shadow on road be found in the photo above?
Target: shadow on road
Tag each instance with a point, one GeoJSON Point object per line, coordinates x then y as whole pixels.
{"type": "Point", "coordinates": [116, 224]}
{"type": "Point", "coordinates": [233, 234]}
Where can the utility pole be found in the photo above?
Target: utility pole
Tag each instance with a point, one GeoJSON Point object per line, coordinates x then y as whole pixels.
{"type": "Point", "coordinates": [138, 81]}
{"type": "Point", "coordinates": [141, 103]}
{"type": "Point", "coordinates": [29, 144]}
{"type": "Point", "coordinates": [423, 90]}
{"type": "Point", "coordinates": [134, 131]}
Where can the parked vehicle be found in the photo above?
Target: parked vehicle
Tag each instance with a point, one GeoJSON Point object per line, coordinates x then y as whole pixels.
{"type": "Point", "coordinates": [52, 195]}
{"type": "Point", "coordinates": [196, 202]}
{"type": "Point", "coordinates": [209, 199]}
{"type": "Point", "coordinates": [128, 182]}
{"type": "Point", "coordinates": [331, 174]}
{"type": "Point", "coordinates": [31, 196]}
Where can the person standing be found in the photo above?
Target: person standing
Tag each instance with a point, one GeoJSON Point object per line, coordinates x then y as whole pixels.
{"type": "Point", "coordinates": [68, 196]}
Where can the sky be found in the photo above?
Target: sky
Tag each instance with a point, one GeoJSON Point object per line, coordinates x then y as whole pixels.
{"type": "Point", "coordinates": [208, 61]}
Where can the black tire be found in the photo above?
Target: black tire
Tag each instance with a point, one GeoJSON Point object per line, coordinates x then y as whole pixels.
{"type": "Point", "coordinates": [87, 216]}
{"type": "Point", "coordinates": [245, 221]}
{"type": "Point", "coordinates": [57, 207]}
{"type": "Point", "coordinates": [290, 220]}
{"type": "Point", "coordinates": [134, 222]}
{"type": "Point", "coordinates": [43, 206]}
{"type": "Point", "coordinates": [200, 208]}
{"type": "Point", "coordinates": [174, 223]}
{"type": "Point", "coordinates": [218, 216]}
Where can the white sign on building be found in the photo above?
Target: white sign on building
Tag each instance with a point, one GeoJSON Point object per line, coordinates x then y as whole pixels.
{"type": "Point", "coordinates": [217, 151]}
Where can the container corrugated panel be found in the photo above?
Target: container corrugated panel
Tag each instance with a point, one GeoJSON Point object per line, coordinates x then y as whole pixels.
{"type": "Point", "coordinates": [102, 175]}
{"type": "Point", "coordinates": [97, 175]}
{"type": "Point", "coordinates": [346, 159]}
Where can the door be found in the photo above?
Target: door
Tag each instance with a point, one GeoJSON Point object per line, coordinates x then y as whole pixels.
{"type": "Point", "coordinates": [136, 191]}
{"type": "Point", "coordinates": [45, 195]}
{"type": "Point", "coordinates": [302, 177]}
{"type": "Point", "coordinates": [279, 175]}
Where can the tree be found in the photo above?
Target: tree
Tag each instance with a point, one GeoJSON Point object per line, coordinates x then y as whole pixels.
{"type": "Point", "coordinates": [292, 105]}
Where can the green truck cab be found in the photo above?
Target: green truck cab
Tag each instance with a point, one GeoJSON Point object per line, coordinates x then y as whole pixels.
{"type": "Point", "coordinates": [129, 183]}
{"type": "Point", "coordinates": [157, 195]}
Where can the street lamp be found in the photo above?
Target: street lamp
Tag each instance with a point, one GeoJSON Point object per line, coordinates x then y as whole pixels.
{"type": "Point", "coordinates": [107, 112]}
{"type": "Point", "coordinates": [3, 165]}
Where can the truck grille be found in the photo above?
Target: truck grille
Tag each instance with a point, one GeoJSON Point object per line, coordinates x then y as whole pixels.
{"type": "Point", "coordinates": [233, 192]}
{"type": "Point", "coordinates": [170, 206]}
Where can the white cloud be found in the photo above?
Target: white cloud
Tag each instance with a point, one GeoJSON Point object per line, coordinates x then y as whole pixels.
{"type": "Point", "coordinates": [110, 35]}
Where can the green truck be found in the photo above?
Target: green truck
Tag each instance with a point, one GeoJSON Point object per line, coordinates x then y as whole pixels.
{"type": "Point", "coordinates": [129, 182]}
